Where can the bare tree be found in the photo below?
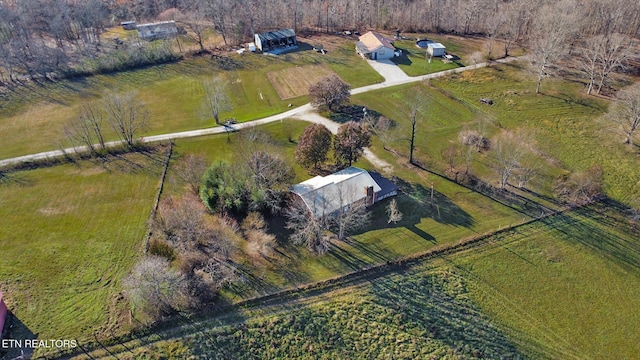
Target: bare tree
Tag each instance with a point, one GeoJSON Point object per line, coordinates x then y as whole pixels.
{"type": "Point", "coordinates": [125, 115]}
{"type": "Point", "coordinates": [87, 128]}
{"type": "Point", "coordinates": [613, 54]}
{"type": "Point", "coordinates": [215, 98]}
{"type": "Point", "coordinates": [352, 213]}
{"type": "Point", "coordinates": [196, 22]}
{"type": "Point", "coordinates": [509, 148]}
{"type": "Point", "coordinates": [415, 108]}
{"type": "Point", "coordinates": [626, 112]}
{"type": "Point", "coordinates": [394, 214]}
{"type": "Point", "coordinates": [190, 170]}
{"type": "Point", "coordinates": [154, 288]}
{"type": "Point", "coordinates": [307, 229]}
{"type": "Point", "coordinates": [550, 32]}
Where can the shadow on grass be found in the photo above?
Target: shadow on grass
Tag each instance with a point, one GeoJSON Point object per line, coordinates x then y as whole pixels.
{"type": "Point", "coordinates": [437, 305]}
{"type": "Point", "coordinates": [16, 330]}
{"type": "Point", "coordinates": [604, 229]}
{"type": "Point", "coordinates": [428, 203]}
{"type": "Point", "coordinates": [352, 112]}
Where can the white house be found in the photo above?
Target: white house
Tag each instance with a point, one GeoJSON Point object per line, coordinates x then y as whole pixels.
{"type": "Point", "coordinates": [435, 49]}
{"type": "Point", "coordinates": [374, 46]}
{"type": "Point", "coordinates": [324, 195]}
{"type": "Point", "coordinates": [158, 30]}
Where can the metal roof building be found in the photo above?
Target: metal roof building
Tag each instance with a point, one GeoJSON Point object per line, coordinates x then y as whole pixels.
{"type": "Point", "coordinates": [275, 39]}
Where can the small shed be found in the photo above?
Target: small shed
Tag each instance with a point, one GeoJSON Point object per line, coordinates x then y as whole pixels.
{"type": "Point", "coordinates": [435, 49]}
{"type": "Point", "coordinates": [3, 314]}
{"type": "Point", "coordinates": [128, 25]}
{"type": "Point", "coordinates": [276, 40]}
{"type": "Point", "coordinates": [375, 47]}
{"type": "Point", "coordinates": [158, 30]}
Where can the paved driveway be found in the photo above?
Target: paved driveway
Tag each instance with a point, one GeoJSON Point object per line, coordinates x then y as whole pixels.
{"type": "Point", "coordinates": [388, 69]}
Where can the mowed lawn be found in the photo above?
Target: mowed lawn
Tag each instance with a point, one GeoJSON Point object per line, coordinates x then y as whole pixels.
{"type": "Point", "coordinates": [568, 287]}
{"type": "Point", "coordinates": [173, 94]}
{"type": "Point", "coordinates": [68, 235]}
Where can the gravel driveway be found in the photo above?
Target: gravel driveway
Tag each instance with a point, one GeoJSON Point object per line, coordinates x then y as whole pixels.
{"type": "Point", "coordinates": [389, 70]}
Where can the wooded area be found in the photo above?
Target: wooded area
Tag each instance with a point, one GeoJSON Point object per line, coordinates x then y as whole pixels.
{"type": "Point", "coordinates": [47, 38]}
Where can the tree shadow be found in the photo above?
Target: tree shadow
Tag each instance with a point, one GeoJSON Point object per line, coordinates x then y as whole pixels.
{"type": "Point", "coordinates": [437, 305]}
{"type": "Point", "coordinates": [604, 229]}
{"type": "Point", "coordinates": [15, 334]}
{"type": "Point", "coordinates": [352, 112]}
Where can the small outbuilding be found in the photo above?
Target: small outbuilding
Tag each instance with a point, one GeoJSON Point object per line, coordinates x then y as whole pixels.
{"type": "Point", "coordinates": [435, 49]}
{"type": "Point", "coordinates": [375, 47]}
{"type": "Point", "coordinates": [277, 40]}
{"type": "Point", "coordinates": [158, 30]}
{"type": "Point", "coordinates": [128, 25]}
{"type": "Point", "coordinates": [3, 314]}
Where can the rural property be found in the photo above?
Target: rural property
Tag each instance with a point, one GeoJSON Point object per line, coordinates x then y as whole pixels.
{"type": "Point", "coordinates": [308, 180]}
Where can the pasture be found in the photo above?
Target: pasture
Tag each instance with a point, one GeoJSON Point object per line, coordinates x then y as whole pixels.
{"type": "Point", "coordinates": [69, 234]}
{"type": "Point", "coordinates": [560, 288]}
{"type": "Point", "coordinates": [567, 287]}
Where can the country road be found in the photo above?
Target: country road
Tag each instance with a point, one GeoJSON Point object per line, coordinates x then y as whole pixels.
{"type": "Point", "coordinates": [303, 112]}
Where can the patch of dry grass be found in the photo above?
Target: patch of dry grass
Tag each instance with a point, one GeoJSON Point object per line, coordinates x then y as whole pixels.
{"type": "Point", "coordinates": [295, 81]}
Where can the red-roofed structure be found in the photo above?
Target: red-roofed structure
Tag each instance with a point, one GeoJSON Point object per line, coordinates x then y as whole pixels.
{"type": "Point", "coordinates": [3, 313]}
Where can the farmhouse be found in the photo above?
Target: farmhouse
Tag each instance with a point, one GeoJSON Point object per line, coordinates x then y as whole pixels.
{"type": "Point", "coordinates": [374, 46]}
{"type": "Point", "coordinates": [3, 314]}
{"type": "Point", "coordinates": [435, 49]}
{"type": "Point", "coordinates": [284, 39]}
{"type": "Point", "coordinates": [158, 30]}
{"type": "Point", "coordinates": [325, 195]}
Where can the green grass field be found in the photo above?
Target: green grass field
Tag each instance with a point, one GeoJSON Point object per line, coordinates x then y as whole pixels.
{"type": "Point", "coordinates": [566, 288]}
{"type": "Point", "coordinates": [566, 125]}
{"type": "Point", "coordinates": [562, 288]}
{"type": "Point", "coordinates": [69, 234]}
{"type": "Point", "coordinates": [172, 93]}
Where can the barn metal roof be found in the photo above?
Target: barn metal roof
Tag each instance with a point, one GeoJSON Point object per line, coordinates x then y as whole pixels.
{"type": "Point", "coordinates": [277, 34]}
{"type": "Point", "coordinates": [324, 195]}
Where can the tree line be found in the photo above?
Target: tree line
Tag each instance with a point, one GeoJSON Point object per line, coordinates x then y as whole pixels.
{"type": "Point", "coordinates": [46, 38]}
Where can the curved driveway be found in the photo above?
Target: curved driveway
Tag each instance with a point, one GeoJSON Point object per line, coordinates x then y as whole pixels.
{"type": "Point", "coordinates": [392, 78]}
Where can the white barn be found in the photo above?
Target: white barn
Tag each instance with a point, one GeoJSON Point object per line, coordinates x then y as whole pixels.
{"type": "Point", "coordinates": [375, 46]}
{"type": "Point", "coordinates": [324, 195]}
{"type": "Point", "coordinates": [435, 49]}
